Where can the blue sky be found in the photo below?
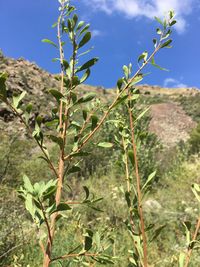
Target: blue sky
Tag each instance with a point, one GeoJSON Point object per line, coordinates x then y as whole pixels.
{"type": "Point", "coordinates": [122, 30]}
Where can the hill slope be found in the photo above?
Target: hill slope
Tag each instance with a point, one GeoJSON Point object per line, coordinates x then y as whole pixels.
{"type": "Point", "coordinates": [169, 120]}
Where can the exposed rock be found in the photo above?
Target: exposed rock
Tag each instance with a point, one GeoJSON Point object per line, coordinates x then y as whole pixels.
{"type": "Point", "coordinates": [170, 123]}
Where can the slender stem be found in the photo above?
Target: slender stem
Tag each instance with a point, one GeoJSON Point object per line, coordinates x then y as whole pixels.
{"type": "Point", "coordinates": [138, 181]}
{"type": "Point", "coordinates": [47, 258]}
{"type": "Point", "coordinates": [42, 247]}
{"type": "Point", "coordinates": [189, 252]}
{"type": "Point", "coordinates": [106, 113]}
{"type": "Point", "coordinates": [46, 221]}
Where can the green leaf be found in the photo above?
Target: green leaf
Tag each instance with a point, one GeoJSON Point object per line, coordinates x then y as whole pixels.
{"type": "Point", "coordinates": [75, 81]}
{"type": "Point", "coordinates": [187, 226]}
{"type": "Point", "coordinates": [18, 99]}
{"type": "Point", "coordinates": [86, 98]}
{"type": "Point", "coordinates": [172, 23]}
{"type": "Point", "coordinates": [69, 25]}
{"type": "Point", "coordinates": [196, 191]}
{"type": "Point", "coordinates": [143, 56]}
{"type": "Point", "coordinates": [57, 140]}
{"type": "Point", "coordinates": [87, 192]}
{"type": "Point", "coordinates": [149, 179]}
{"type": "Point", "coordinates": [63, 207]}
{"type": "Point", "coordinates": [97, 240]}
{"type": "Point", "coordinates": [85, 76]}
{"type": "Point", "coordinates": [84, 29]}
{"type": "Point", "coordinates": [134, 97]}
{"type": "Point", "coordinates": [136, 79]}
{"type": "Point", "coordinates": [86, 52]}
{"type": "Point", "coordinates": [120, 83]}
{"type": "Point", "coordinates": [50, 210]}
{"type": "Point", "coordinates": [66, 64]}
{"type": "Point", "coordinates": [155, 42]}
{"type": "Point", "coordinates": [105, 144]}
{"type": "Point", "coordinates": [88, 239]}
{"type": "Point", "coordinates": [30, 207]}
{"type": "Point", "coordinates": [49, 192]}
{"type": "Point", "coordinates": [166, 44]}
{"type": "Point", "coordinates": [120, 100]}
{"type": "Point", "coordinates": [27, 184]}
{"type": "Point", "coordinates": [171, 14]}
{"type": "Point", "coordinates": [75, 20]}
{"type": "Point", "coordinates": [84, 112]}
{"type": "Point", "coordinates": [181, 259]}
{"type": "Point", "coordinates": [74, 169]}
{"type": "Point", "coordinates": [128, 200]}
{"type": "Point", "coordinates": [159, 31]}
{"type": "Point", "coordinates": [49, 42]}
{"type": "Point", "coordinates": [132, 260]}
{"type": "Point", "coordinates": [94, 122]}
{"type": "Point", "coordinates": [158, 20]}
{"type": "Point", "coordinates": [80, 154]}
{"type": "Point", "coordinates": [104, 259]}
{"type": "Point", "coordinates": [88, 64]}
{"type": "Point", "coordinates": [142, 114]}
{"type": "Point", "coordinates": [55, 24]}
{"type": "Point", "coordinates": [86, 38]}
{"type": "Point", "coordinates": [56, 94]}
{"type": "Point", "coordinates": [29, 108]}
{"type": "Point", "coordinates": [3, 92]}
{"type": "Point", "coordinates": [157, 232]}
{"type": "Point", "coordinates": [126, 71]}
{"type": "Point", "coordinates": [80, 25]}
{"type": "Point", "coordinates": [156, 65]}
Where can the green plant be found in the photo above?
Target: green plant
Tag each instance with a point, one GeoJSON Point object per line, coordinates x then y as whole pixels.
{"type": "Point", "coordinates": [46, 201]}
{"type": "Point", "coordinates": [194, 140]}
{"type": "Point", "coordinates": [191, 240]}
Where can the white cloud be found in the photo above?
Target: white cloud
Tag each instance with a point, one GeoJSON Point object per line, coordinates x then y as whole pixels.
{"type": "Point", "coordinates": [146, 8]}
{"type": "Point", "coordinates": [173, 83]}
{"type": "Point", "coordinates": [96, 33]}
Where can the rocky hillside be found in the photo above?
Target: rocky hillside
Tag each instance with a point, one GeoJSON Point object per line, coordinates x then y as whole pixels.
{"type": "Point", "coordinates": [169, 120]}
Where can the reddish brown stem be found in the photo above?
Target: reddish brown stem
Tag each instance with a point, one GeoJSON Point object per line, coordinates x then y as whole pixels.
{"type": "Point", "coordinates": [138, 182]}
{"type": "Point", "coordinates": [189, 253]}
{"type": "Point", "coordinates": [47, 257]}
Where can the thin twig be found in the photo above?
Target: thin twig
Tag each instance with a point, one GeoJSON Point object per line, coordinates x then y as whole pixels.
{"type": "Point", "coordinates": [10, 250]}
